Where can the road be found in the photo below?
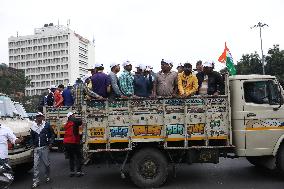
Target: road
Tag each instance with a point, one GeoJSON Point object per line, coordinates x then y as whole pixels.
{"type": "Point", "coordinates": [229, 173]}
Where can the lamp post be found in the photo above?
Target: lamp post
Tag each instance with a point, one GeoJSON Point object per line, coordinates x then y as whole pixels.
{"type": "Point", "coordinates": [261, 25]}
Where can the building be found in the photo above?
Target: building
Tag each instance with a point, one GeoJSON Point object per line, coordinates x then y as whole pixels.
{"type": "Point", "coordinates": [53, 55]}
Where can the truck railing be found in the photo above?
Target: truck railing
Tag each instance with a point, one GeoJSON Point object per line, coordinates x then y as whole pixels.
{"type": "Point", "coordinates": [176, 123]}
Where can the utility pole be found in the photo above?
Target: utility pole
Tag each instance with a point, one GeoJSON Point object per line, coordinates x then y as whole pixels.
{"type": "Point", "coordinates": [261, 25]}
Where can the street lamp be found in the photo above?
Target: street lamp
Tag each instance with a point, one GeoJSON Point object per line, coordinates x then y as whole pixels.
{"type": "Point", "coordinates": [260, 25]}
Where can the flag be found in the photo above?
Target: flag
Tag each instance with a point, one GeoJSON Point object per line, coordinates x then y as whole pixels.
{"type": "Point", "coordinates": [226, 57]}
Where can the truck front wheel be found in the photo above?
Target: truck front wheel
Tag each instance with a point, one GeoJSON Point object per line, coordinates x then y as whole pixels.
{"type": "Point", "coordinates": [148, 168]}
{"type": "Point", "coordinates": [280, 159]}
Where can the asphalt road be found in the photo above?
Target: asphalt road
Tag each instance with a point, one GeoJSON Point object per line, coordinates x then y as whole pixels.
{"type": "Point", "coordinates": [229, 173]}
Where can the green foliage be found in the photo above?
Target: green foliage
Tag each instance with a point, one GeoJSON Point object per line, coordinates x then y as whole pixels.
{"type": "Point", "coordinates": [249, 64]}
{"type": "Point", "coordinates": [275, 63]}
{"type": "Point", "coordinates": [12, 81]}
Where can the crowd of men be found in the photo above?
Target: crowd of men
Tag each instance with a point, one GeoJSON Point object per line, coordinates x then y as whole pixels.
{"type": "Point", "coordinates": [143, 84]}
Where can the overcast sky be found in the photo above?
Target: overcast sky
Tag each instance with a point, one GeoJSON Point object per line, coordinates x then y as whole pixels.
{"type": "Point", "coordinates": [146, 31]}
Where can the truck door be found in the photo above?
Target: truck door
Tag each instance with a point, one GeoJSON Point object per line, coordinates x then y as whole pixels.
{"type": "Point", "coordinates": [263, 119]}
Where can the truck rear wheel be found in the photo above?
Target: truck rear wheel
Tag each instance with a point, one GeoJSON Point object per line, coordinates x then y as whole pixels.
{"type": "Point", "coordinates": [148, 168]}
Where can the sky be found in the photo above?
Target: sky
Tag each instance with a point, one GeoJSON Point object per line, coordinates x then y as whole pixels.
{"type": "Point", "coordinates": [145, 31]}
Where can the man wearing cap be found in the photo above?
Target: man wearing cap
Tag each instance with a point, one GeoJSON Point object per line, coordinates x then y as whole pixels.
{"type": "Point", "coordinates": [50, 96]}
{"type": "Point", "coordinates": [101, 81]}
{"type": "Point", "coordinates": [42, 137]}
{"type": "Point", "coordinates": [115, 92]}
{"type": "Point", "coordinates": [210, 82]}
{"type": "Point", "coordinates": [67, 95]}
{"type": "Point", "coordinates": [72, 144]}
{"type": "Point", "coordinates": [165, 84]}
{"type": "Point", "coordinates": [187, 82]}
{"type": "Point", "coordinates": [126, 80]}
{"type": "Point", "coordinates": [142, 84]}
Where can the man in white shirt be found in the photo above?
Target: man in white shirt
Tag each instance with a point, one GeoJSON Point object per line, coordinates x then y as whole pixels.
{"type": "Point", "coordinates": [42, 138]}
{"type": "Point", "coordinates": [6, 134]}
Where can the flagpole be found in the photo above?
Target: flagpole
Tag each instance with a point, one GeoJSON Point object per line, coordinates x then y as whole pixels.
{"type": "Point", "coordinates": [261, 25]}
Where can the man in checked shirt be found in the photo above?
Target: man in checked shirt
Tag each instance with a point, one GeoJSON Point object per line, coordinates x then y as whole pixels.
{"type": "Point", "coordinates": [126, 80]}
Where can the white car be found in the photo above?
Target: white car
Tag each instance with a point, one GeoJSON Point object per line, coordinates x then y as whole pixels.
{"type": "Point", "coordinates": [20, 155]}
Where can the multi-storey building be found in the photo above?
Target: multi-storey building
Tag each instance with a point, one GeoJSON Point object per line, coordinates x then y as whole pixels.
{"type": "Point", "coordinates": [53, 55]}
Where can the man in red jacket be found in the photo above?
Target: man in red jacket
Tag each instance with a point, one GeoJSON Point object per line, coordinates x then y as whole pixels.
{"type": "Point", "coordinates": [72, 144]}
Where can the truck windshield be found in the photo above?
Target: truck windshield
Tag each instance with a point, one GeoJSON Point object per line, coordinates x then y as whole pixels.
{"type": "Point", "coordinates": [7, 107]}
{"type": "Point", "coordinates": [261, 92]}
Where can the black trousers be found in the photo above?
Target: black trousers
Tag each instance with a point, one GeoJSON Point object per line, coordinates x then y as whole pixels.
{"type": "Point", "coordinates": [74, 152]}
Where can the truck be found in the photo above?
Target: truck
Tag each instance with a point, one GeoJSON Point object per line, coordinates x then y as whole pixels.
{"type": "Point", "coordinates": [149, 137]}
{"type": "Point", "coordinates": [13, 115]}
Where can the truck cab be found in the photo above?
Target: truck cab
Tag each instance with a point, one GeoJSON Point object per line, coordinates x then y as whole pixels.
{"type": "Point", "coordinates": [20, 155]}
{"type": "Point", "coordinates": [257, 117]}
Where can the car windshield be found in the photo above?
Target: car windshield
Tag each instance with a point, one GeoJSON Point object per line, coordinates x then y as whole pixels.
{"type": "Point", "coordinates": [21, 110]}
{"type": "Point", "coordinates": [7, 107]}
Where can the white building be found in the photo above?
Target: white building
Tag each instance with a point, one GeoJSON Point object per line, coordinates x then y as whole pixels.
{"type": "Point", "coordinates": [53, 55]}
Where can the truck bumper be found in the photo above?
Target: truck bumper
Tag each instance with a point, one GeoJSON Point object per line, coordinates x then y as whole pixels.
{"type": "Point", "coordinates": [21, 158]}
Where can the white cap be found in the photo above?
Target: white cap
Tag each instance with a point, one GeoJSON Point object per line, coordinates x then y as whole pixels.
{"type": "Point", "coordinates": [97, 65]}
{"type": "Point", "coordinates": [113, 64]}
{"type": "Point", "coordinates": [208, 64]}
{"type": "Point", "coordinates": [53, 87]}
{"type": "Point", "coordinates": [83, 78]}
{"type": "Point", "coordinates": [69, 114]}
{"type": "Point", "coordinates": [126, 63]}
{"type": "Point", "coordinates": [168, 62]}
{"type": "Point", "coordinates": [141, 66]}
{"type": "Point", "coordinates": [69, 85]}
{"type": "Point", "coordinates": [39, 114]}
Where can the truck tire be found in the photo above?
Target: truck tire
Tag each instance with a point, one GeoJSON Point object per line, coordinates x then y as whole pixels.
{"type": "Point", "coordinates": [148, 168]}
{"type": "Point", "coordinates": [280, 159]}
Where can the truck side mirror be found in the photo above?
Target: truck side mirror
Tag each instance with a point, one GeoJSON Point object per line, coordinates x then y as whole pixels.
{"type": "Point", "coordinates": [280, 98]}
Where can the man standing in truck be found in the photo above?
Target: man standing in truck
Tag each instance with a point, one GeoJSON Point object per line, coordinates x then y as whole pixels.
{"type": "Point", "coordinates": [165, 84]}
{"type": "Point", "coordinates": [126, 80]}
{"type": "Point", "coordinates": [210, 82]}
{"type": "Point", "coordinates": [42, 137]}
{"type": "Point", "coordinates": [101, 82]}
{"type": "Point", "coordinates": [187, 82]}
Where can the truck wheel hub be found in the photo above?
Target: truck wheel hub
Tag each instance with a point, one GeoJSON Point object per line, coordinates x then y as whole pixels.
{"type": "Point", "coordinates": [148, 169]}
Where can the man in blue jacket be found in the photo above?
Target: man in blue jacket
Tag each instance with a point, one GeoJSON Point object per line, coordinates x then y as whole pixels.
{"type": "Point", "coordinates": [68, 99]}
{"type": "Point", "coordinates": [42, 137]}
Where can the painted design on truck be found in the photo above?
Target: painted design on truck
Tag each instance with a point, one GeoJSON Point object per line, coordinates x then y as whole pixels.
{"type": "Point", "coordinates": [264, 124]}
{"type": "Point", "coordinates": [147, 130]}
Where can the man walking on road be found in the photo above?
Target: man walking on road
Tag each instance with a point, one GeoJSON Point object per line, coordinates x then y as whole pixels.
{"type": "Point", "coordinates": [42, 137]}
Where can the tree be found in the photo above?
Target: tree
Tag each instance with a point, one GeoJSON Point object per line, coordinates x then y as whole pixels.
{"type": "Point", "coordinates": [12, 81]}
{"type": "Point", "coordinates": [249, 64]}
{"type": "Point", "coordinates": [275, 63]}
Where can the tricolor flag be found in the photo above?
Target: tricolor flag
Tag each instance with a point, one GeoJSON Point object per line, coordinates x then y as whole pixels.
{"type": "Point", "coordinates": [226, 57]}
